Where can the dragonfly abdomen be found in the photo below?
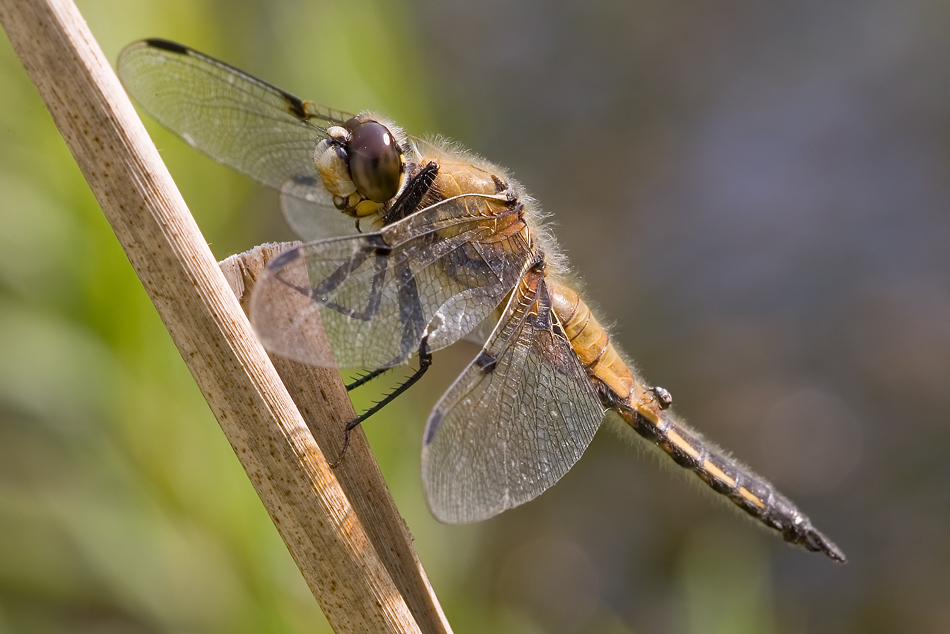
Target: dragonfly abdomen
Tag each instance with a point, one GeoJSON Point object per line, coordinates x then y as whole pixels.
{"type": "Point", "coordinates": [645, 410]}
{"type": "Point", "coordinates": [750, 492]}
{"type": "Point", "coordinates": [590, 341]}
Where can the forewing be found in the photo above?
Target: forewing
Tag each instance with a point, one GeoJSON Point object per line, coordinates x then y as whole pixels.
{"type": "Point", "coordinates": [235, 118]}
{"type": "Point", "coordinates": [515, 421]}
{"type": "Point", "coordinates": [438, 272]}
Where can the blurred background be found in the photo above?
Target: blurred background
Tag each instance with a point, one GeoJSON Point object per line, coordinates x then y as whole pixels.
{"type": "Point", "coordinates": [757, 195]}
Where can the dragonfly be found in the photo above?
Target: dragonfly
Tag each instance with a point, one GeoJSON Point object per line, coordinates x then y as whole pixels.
{"type": "Point", "coordinates": [454, 249]}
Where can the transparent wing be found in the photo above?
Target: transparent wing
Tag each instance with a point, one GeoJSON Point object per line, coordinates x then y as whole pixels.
{"type": "Point", "coordinates": [234, 118]}
{"type": "Point", "coordinates": [515, 421]}
{"type": "Point", "coordinates": [307, 208]}
{"type": "Point", "coordinates": [439, 273]}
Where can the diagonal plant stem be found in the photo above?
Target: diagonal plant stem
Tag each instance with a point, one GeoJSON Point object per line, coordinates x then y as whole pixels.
{"type": "Point", "coordinates": [328, 534]}
{"type": "Point", "coordinates": [319, 392]}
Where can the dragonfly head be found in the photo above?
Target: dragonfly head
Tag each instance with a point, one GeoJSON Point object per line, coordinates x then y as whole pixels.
{"type": "Point", "coordinates": [362, 165]}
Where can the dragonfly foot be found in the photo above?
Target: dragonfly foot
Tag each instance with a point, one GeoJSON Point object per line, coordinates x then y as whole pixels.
{"type": "Point", "coordinates": [350, 426]}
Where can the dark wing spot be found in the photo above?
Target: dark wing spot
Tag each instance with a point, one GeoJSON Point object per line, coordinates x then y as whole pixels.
{"type": "Point", "coordinates": [295, 106]}
{"type": "Point", "coordinates": [304, 179]}
{"type": "Point", "coordinates": [486, 362]}
{"type": "Point", "coordinates": [165, 45]}
{"type": "Point", "coordinates": [434, 423]}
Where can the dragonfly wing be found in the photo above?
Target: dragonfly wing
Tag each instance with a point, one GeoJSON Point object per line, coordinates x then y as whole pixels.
{"type": "Point", "coordinates": [515, 421]}
{"type": "Point", "coordinates": [308, 209]}
{"type": "Point", "coordinates": [256, 128]}
{"type": "Point", "coordinates": [376, 295]}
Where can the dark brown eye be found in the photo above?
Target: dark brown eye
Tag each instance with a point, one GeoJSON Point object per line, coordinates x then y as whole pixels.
{"type": "Point", "coordinates": [374, 161]}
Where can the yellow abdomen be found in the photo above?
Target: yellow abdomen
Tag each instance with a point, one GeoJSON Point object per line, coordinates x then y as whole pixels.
{"type": "Point", "coordinates": [596, 353]}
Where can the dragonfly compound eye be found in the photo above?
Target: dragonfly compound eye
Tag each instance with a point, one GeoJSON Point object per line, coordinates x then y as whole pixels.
{"type": "Point", "coordinates": [374, 160]}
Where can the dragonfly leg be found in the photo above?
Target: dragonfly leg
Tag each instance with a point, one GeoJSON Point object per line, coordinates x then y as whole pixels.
{"type": "Point", "coordinates": [411, 197]}
{"type": "Point", "coordinates": [425, 361]}
{"type": "Point", "coordinates": [366, 378]}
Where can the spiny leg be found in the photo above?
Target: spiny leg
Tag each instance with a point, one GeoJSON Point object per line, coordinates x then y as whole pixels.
{"type": "Point", "coordinates": [366, 378]}
{"type": "Point", "coordinates": [412, 195]}
{"type": "Point", "coordinates": [425, 361]}
{"type": "Point", "coordinates": [412, 323]}
{"type": "Point", "coordinates": [413, 326]}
